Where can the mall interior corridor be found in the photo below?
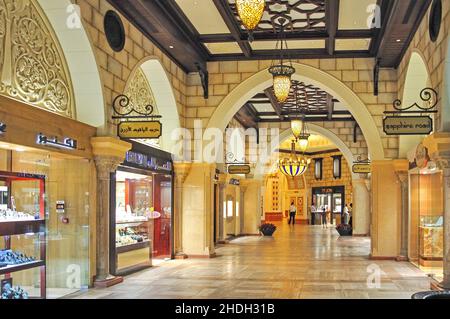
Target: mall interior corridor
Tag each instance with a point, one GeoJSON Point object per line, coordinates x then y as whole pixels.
{"type": "Point", "coordinates": [300, 262]}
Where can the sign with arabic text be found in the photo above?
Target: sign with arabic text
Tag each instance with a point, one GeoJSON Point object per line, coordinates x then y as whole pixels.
{"type": "Point", "coordinates": [239, 169]}
{"type": "Point", "coordinates": [66, 143]}
{"type": "Point", "coordinates": [140, 130]}
{"type": "Point", "coordinates": [408, 125]}
{"type": "Point", "coordinates": [361, 168]}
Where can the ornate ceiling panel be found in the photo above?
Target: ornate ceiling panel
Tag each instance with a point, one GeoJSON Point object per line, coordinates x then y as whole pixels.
{"type": "Point", "coordinates": [300, 15]}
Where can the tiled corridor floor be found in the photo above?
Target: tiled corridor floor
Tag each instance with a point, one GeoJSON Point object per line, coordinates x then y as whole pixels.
{"type": "Point", "coordinates": [299, 262]}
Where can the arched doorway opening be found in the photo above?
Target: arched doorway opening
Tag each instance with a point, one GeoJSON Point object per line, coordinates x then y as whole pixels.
{"type": "Point", "coordinates": [262, 80]}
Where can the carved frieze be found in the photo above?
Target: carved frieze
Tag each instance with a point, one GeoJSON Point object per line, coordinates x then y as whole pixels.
{"type": "Point", "coordinates": [32, 66]}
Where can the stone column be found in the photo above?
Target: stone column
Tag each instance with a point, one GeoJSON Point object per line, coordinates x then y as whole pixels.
{"type": "Point", "coordinates": [361, 207]}
{"type": "Point", "coordinates": [401, 169]}
{"type": "Point", "coordinates": [181, 172]}
{"type": "Point", "coordinates": [109, 153]}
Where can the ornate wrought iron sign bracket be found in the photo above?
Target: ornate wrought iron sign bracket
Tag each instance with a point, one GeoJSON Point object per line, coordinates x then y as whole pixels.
{"type": "Point", "coordinates": [124, 109]}
{"type": "Point", "coordinates": [362, 165]}
{"type": "Point", "coordinates": [413, 119]}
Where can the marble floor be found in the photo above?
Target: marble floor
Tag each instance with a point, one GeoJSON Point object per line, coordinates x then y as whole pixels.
{"type": "Point", "coordinates": [297, 263]}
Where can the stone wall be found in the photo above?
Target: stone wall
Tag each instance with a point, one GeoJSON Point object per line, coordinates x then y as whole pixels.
{"type": "Point", "coordinates": [357, 74]}
{"type": "Point", "coordinates": [433, 53]}
{"type": "Point", "coordinates": [116, 68]}
{"type": "Point", "coordinates": [327, 175]}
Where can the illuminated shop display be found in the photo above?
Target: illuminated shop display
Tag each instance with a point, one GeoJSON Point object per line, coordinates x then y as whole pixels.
{"type": "Point", "coordinates": [141, 203]}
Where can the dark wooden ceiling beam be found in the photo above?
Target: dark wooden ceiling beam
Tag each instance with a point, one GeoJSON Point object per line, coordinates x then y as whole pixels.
{"type": "Point", "coordinates": [284, 113]}
{"type": "Point", "coordinates": [293, 54]}
{"type": "Point", "coordinates": [273, 100]}
{"type": "Point", "coordinates": [230, 21]}
{"type": "Point", "coordinates": [332, 19]}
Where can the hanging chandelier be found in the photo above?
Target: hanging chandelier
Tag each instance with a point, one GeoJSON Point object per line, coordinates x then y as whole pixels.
{"type": "Point", "coordinates": [250, 12]}
{"type": "Point", "coordinates": [293, 166]}
{"type": "Point", "coordinates": [282, 72]}
{"type": "Point", "coordinates": [298, 126]}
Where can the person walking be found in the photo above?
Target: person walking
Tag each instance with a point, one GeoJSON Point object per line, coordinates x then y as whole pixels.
{"type": "Point", "coordinates": [324, 217]}
{"type": "Point", "coordinates": [292, 213]}
{"type": "Point", "coordinates": [346, 215]}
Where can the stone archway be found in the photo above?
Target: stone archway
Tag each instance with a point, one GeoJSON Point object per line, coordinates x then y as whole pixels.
{"type": "Point", "coordinates": [80, 58]}
{"type": "Point", "coordinates": [445, 102]}
{"type": "Point", "coordinates": [262, 80]}
{"type": "Point", "coordinates": [164, 97]}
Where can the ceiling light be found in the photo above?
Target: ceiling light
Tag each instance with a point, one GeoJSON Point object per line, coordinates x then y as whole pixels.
{"type": "Point", "coordinates": [398, 40]}
{"type": "Point", "coordinates": [250, 12]}
{"type": "Point", "coordinates": [282, 72]}
{"type": "Point", "coordinates": [294, 166]}
{"type": "Point", "coordinates": [171, 46]}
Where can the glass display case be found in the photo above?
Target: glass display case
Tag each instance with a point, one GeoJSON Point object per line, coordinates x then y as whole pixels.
{"type": "Point", "coordinates": [22, 236]}
{"type": "Point", "coordinates": [431, 238]}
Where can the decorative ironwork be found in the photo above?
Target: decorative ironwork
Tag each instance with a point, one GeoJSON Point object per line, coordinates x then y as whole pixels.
{"type": "Point", "coordinates": [362, 159]}
{"type": "Point", "coordinates": [306, 98]}
{"type": "Point", "coordinates": [427, 95]}
{"type": "Point", "coordinates": [123, 108]}
{"type": "Point", "coordinates": [301, 15]}
{"type": "Point", "coordinates": [230, 158]}
{"type": "Point", "coordinates": [32, 65]}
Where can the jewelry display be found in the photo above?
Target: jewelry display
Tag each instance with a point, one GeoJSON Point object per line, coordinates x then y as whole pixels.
{"type": "Point", "coordinates": [9, 215]}
{"type": "Point", "coordinates": [10, 292]}
{"type": "Point", "coordinates": [9, 257]}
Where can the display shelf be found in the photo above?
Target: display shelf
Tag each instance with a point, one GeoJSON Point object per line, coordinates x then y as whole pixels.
{"type": "Point", "coordinates": [15, 268]}
{"type": "Point", "coordinates": [131, 247]}
{"type": "Point", "coordinates": [124, 224]}
{"type": "Point", "coordinates": [11, 228]}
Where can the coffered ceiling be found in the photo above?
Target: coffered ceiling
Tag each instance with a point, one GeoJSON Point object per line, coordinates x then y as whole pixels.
{"type": "Point", "coordinates": [197, 31]}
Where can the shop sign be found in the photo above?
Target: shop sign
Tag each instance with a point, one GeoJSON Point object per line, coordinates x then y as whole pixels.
{"type": "Point", "coordinates": [239, 169]}
{"type": "Point", "coordinates": [67, 143]}
{"type": "Point", "coordinates": [60, 207]}
{"type": "Point", "coordinates": [361, 168]}
{"type": "Point", "coordinates": [140, 130]}
{"type": "Point", "coordinates": [148, 162]}
{"type": "Point", "coordinates": [235, 182]}
{"type": "Point", "coordinates": [408, 125]}
{"type": "Point", "coordinates": [2, 128]}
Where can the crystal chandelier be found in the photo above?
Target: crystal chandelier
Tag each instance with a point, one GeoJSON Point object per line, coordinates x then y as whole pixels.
{"type": "Point", "coordinates": [282, 72]}
{"type": "Point", "coordinates": [293, 166]}
{"type": "Point", "coordinates": [250, 12]}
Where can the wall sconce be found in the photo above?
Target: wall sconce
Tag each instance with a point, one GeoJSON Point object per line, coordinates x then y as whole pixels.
{"type": "Point", "coordinates": [318, 168]}
{"type": "Point", "coordinates": [337, 166]}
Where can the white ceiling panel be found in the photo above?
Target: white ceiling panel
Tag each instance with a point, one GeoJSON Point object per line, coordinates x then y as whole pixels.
{"type": "Point", "coordinates": [292, 44]}
{"type": "Point", "coordinates": [223, 48]}
{"type": "Point", "coordinates": [352, 44]}
{"type": "Point", "coordinates": [204, 15]}
{"type": "Point", "coordinates": [355, 14]}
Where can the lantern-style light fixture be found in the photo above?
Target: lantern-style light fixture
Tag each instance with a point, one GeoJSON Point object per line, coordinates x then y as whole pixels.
{"type": "Point", "coordinates": [250, 12]}
{"type": "Point", "coordinates": [303, 139]}
{"type": "Point", "coordinates": [299, 127]}
{"type": "Point", "coordinates": [293, 166]}
{"type": "Point", "coordinates": [283, 70]}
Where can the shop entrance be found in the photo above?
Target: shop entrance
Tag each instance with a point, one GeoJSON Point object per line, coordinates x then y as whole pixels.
{"type": "Point", "coordinates": [330, 199]}
{"type": "Point", "coordinates": [426, 231]}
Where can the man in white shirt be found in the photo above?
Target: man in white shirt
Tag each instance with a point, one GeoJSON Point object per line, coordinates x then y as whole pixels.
{"type": "Point", "coordinates": [292, 213]}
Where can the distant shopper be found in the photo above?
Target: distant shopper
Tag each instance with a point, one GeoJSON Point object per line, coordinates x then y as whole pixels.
{"type": "Point", "coordinates": [350, 212]}
{"type": "Point", "coordinates": [324, 217]}
{"type": "Point", "coordinates": [346, 215]}
{"type": "Point", "coordinates": [292, 213]}
{"type": "Point", "coordinates": [313, 214]}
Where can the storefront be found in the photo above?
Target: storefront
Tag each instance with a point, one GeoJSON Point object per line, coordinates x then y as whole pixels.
{"type": "Point", "coordinates": [47, 197]}
{"type": "Point", "coordinates": [426, 214]}
{"type": "Point", "coordinates": [141, 210]}
{"type": "Point", "coordinates": [331, 199]}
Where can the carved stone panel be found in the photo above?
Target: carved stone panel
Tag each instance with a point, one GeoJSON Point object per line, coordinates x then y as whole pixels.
{"type": "Point", "coordinates": [32, 66]}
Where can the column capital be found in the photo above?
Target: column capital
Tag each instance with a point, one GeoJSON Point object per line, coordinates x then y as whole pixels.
{"type": "Point", "coordinates": [181, 171]}
{"type": "Point", "coordinates": [108, 146]}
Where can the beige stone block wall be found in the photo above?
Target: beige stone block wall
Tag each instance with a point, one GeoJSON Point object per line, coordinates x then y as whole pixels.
{"type": "Point", "coordinates": [115, 68]}
{"type": "Point", "coordinates": [357, 74]}
{"type": "Point", "coordinates": [327, 176]}
{"type": "Point", "coordinates": [433, 53]}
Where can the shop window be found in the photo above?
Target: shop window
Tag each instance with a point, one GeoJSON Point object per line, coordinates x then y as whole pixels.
{"type": "Point", "coordinates": [318, 168]}
{"type": "Point", "coordinates": [337, 166]}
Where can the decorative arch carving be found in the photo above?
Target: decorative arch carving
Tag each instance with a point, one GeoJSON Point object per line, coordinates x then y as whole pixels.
{"type": "Point", "coordinates": [32, 66]}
